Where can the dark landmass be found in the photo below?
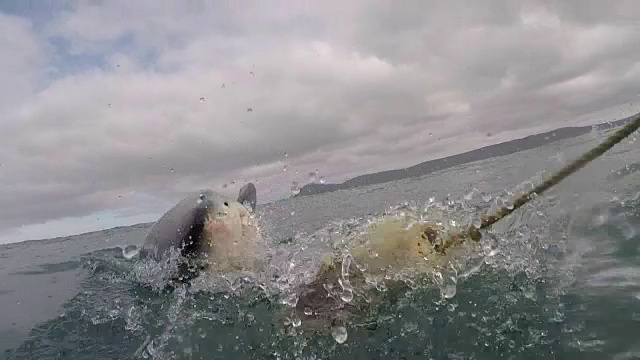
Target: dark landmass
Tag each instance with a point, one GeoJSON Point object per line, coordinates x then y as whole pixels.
{"type": "Point", "coordinates": [427, 167]}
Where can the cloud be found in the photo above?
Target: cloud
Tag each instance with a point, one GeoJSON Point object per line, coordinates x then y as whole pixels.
{"type": "Point", "coordinates": [124, 106]}
{"type": "Point", "coordinates": [20, 62]}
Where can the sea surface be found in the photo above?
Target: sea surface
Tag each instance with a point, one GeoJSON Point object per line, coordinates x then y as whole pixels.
{"type": "Point", "coordinates": [558, 279]}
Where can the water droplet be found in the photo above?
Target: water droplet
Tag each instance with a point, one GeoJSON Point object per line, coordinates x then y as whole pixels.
{"type": "Point", "coordinates": [202, 333]}
{"type": "Point", "coordinates": [628, 231]}
{"type": "Point", "coordinates": [293, 213]}
{"type": "Point", "coordinates": [172, 170]}
{"type": "Point", "coordinates": [339, 334]}
{"type": "Point", "coordinates": [486, 197]}
{"type": "Point", "coordinates": [290, 300]}
{"type": "Point", "coordinates": [312, 176]}
{"type": "Point", "coordinates": [490, 256]}
{"type": "Point", "coordinates": [250, 318]}
{"type": "Point", "coordinates": [346, 296]}
{"type": "Point", "coordinates": [448, 291]}
{"type": "Point", "coordinates": [308, 311]}
{"type": "Point", "coordinates": [284, 168]}
{"type": "Point", "coordinates": [130, 251]}
{"type": "Point", "coordinates": [223, 86]}
{"type": "Point", "coordinates": [321, 180]}
{"type": "Point", "coordinates": [295, 189]}
{"type": "Point", "coordinates": [249, 109]}
{"type": "Point", "coordinates": [529, 292]}
{"type": "Point", "coordinates": [286, 154]}
{"type": "Point", "coordinates": [251, 73]}
{"type": "Point", "coordinates": [469, 195]}
{"type": "Point", "coordinates": [599, 220]}
{"type": "Point", "coordinates": [202, 99]}
{"type": "Point", "coordinates": [512, 344]}
{"type": "Point", "coordinates": [295, 321]}
{"type": "Point", "coordinates": [508, 204]}
{"type": "Point", "coordinates": [109, 105]}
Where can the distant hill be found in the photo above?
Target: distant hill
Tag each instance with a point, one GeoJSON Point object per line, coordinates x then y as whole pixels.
{"type": "Point", "coordinates": [424, 168]}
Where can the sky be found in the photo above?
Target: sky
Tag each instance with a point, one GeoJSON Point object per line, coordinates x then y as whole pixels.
{"type": "Point", "coordinates": [110, 111]}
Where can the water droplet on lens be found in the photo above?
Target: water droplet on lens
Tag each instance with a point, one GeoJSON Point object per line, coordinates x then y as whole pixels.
{"type": "Point", "coordinates": [339, 334]}
{"type": "Point", "coordinates": [486, 197]}
{"type": "Point", "coordinates": [448, 291]}
{"type": "Point", "coordinates": [295, 189]}
{"type": "Point", "coordinates": [130, 251]}
{"type": "Point", "coordinates": [628, 231]}
{"type": "Point", "coordinates": [508, 204]}
{"type": "Point", "coordinates": [308, 311]}
{"type": "Point", "coordinates": [202, 99]}
{"type": "Point", "coordinates": [347, 296]}
{"type": "Point", "coordinates": [202, 333]}
{"type": "Point", "coordinates": [284, 168]}
{"type": "Point", "coordinates": [290, 300]}
{"type": "Point", "coordinates": [529, 292]}
{"type": "Point", "coordinates": [469, 195]}
{"type": "Point", "coordinates": [599, 220]}
{"type": "Point", "coordinates": [295, 321]}
{"type": "Point", "coordinates": [321, 180]}
{"type": "Point", "coordinates": [312, 177]}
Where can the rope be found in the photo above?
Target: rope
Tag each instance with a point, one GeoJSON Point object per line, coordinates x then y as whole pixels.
{"type": "Point", "coordinates": [490, 219]}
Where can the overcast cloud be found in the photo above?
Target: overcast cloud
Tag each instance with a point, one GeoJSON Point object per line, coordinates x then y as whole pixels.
{"type": "Point", "coordinates": [111, 110]}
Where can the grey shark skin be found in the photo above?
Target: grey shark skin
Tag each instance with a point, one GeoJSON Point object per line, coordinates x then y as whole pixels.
{"type": "Point", "coordinates": [182, 227]}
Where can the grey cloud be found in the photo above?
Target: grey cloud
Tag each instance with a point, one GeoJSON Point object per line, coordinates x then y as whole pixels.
{"type": "Point", "coordinates": [479, 46]}
{"type": "Point", "coordinates": [21, 60]}
{"type": "Point", "coordinates": [590, 12]}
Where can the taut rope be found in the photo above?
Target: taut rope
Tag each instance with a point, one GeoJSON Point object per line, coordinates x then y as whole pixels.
{"type": "Point", "coordinates": [487, 220]}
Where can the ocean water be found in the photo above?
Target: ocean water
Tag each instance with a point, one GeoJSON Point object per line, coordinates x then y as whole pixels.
{"type": "Point", "coordinates": [558, 279]}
